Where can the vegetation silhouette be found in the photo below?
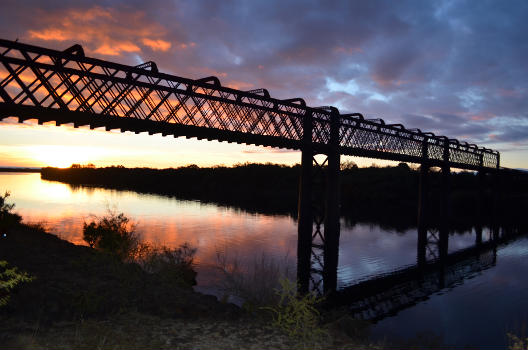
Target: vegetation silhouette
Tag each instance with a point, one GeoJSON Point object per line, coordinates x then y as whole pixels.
{"type": "Point", "coordinates": [382, 195]}
{"type": "Point", "coordinates": [114, 234]}
{"type": "Point", "coordinates": [10, 278]}
{"type": "Point", "coordinates": [7, 218]}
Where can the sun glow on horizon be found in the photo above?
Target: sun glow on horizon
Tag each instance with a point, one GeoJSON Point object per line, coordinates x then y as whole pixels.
{"type": "Point", "coordinates": [64, 156]}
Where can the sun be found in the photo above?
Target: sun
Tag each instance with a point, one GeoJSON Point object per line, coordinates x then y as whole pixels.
{"type": "Point", "coordinates": [64, 156]}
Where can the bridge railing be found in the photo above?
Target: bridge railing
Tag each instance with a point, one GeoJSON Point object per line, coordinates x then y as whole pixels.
{"type": "Point", "coordinates": [71, 83]}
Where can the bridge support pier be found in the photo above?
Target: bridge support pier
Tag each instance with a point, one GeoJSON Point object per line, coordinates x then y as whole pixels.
{"type": "Point", "coordinates": [318, 226]}
{"type": "Point", "coordinates": [432, 243]}
{"type": "Point", "coordinates": [496, 200]}
{"type": "Point", "coordinates": [445, 212]}
{"type": "Point", "coordinates": [423, 189]}
{"type": "Point", "coordinates": [305, 212]}
{"type": "Point", "coordinates": [331, 224]}
{"type": "Point", "coordinates": [480, 206]}
{"type": "Point", "coordinates": [445, 203]}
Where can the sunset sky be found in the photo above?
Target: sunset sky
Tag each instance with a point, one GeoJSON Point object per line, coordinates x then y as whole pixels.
{"type": "Point", "coordinates": [456, 68]}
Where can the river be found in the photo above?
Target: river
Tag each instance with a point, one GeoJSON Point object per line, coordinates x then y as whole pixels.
{"type": "Point", "coordinates": [478, 309]}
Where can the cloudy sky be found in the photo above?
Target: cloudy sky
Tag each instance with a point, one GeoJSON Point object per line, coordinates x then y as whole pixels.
{"type": "Point", "coordinates": [456, 68]}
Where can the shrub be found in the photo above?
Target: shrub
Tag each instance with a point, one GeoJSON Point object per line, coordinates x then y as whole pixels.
{"type": "Point", "coordinates": [172, 265]}
{"type": "Point", "coordinates": [7, 219]}
{"type": "Point", "coordinates": [9, 279]}
{"type": "Point", "coordinates": [296, 315]}
{"type": "Point", "coordinates": [113, 234]}
{"type": "Point", "coordinates": [517, 343]}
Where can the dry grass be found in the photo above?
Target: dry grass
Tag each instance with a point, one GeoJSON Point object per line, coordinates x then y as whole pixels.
{"type": "Point", "coordinates": [254, 283]}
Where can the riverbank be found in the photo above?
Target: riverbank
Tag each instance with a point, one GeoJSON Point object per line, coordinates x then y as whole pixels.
{"type": "Point", "coordinates": [386, 196]}
{"type": "Point", "coordinates": [81, 298]}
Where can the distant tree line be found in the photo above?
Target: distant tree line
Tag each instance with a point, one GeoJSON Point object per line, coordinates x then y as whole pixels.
{"type": "Point", "coordinates": [377, 194]}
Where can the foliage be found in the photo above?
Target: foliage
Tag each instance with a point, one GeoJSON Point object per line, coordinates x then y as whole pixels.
{"type": "Point", "coordinates": [7, 219]}
{"type": "Point", "coordinates": [296, 315]}
{"type": "Point", "coordinates": [517, 343]}
{"type": "Point", "coordinates": [254, 283]}
{"type": "Point", "coordinates": [113, 234]}
{"type": "Point", "coordinates": [9, 279]}
{"type": "Point", "coordinates": [173, 265]}
{"type": "Point", "coordinates": [348, 165]}
{"type": "Point", "coordinates": [4, 207]}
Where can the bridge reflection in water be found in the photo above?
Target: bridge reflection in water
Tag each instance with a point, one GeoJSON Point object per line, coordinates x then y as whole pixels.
{"type": "Point", "coordinates": [385, 295]}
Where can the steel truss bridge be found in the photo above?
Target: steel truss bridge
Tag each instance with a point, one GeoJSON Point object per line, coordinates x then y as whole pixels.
{"type": "Point", "coordinates": [68, 87]}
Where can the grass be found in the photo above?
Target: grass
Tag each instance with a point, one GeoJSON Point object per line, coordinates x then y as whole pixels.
{"type": "Point", "coordinates": [296, 315]}
{"type": "Point", "coordinates": [267, 288]}
{"type": "Point", "coordinates": [254, 283]}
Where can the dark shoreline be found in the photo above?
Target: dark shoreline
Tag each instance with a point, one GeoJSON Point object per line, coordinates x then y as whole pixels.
{"type": "Point", "coordinates": [386, 196]}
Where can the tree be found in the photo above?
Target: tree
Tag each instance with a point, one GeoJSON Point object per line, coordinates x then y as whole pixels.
{"type": "Point", "coordinates": [113, 234]}
{"type": "Point", "coordinates": [7, 219]}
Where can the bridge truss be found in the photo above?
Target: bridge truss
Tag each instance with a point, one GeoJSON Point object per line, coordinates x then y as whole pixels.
{"type": "Point", "coordinates": [68, 87]}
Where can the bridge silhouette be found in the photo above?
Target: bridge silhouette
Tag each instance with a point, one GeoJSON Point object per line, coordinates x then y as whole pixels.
{"type": "Point", "coordinates": [68, 87]}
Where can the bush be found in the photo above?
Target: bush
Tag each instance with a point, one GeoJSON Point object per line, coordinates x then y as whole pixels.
{"type": "Point", "coordinates": [9, 279]}
{"type": "Point", "coordinates": [296, 315]}
{"type": "Point", "coordinates": [517, 343]}
{"type": "Point", "coordinates": [113, 234]}
{"type": "Point", "coordinates": [7, 219]}
{"type": "Point", "coordinates": [172, 265]}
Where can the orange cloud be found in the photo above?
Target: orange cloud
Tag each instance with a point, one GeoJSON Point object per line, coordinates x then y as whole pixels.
{"type": "Point", "coordinates": [50, 34]}
{"type": "Point", "coordinates": [116, 50]}
{"type": "Point", "coordinates": [158, 45]}
{"type": "Point", "coordinates": [105, 31]}
{"type": "Point", "coordinates": [239, 85]}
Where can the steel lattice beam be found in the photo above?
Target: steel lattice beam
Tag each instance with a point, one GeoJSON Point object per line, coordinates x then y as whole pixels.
{"type": "Point", "coordinates": [67, 87]}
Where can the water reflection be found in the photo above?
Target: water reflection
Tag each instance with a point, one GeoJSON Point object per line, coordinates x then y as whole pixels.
{"type": "Point", "coordinates": [386, 294]}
